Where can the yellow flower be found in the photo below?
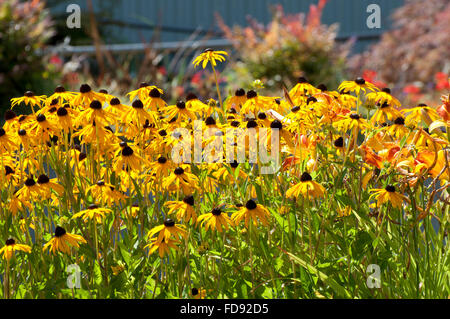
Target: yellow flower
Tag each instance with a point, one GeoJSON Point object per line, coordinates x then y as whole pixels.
{"type": "Point", "coordinates": [251, 212]}
{"type": "Point", "coordinates": [216, 219]}
{"type": "Point", "coordinates": [184, 209]}
{"type": "Point", "coordinates": [211, 56]}
{"type": "Point", "coordinates": [357, 86]}
{"type": "Point", "coordinates": [28, 99]}
{"type": "Point", "coordinates": [163, 247]}
{"type": "Point", "coordinates": [167, 230]}
{"type": "Point", "coordinates": [388, 194]}
{"type": "Point", "coordinates": [63, 240]}
{"type": "Point", "coordinates": [198, 293]}
{"type": "Point", "coordinates": [11, 246]}
{"type": "Point", "coordinates": [307, 188]}
{"type": "Point", "coordinates": [93, 212]}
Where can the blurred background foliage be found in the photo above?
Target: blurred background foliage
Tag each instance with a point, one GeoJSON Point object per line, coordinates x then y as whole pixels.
{"type": "Point", "coordinates": [413, 58]}
{"type": "Point", "coordinates": [25, 27]}
{"type": "Point", "coordinates": [289, 47]}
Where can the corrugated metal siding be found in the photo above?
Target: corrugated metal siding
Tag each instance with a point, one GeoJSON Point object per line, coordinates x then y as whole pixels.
{"type": "Point", "coordinates": [350, 14]}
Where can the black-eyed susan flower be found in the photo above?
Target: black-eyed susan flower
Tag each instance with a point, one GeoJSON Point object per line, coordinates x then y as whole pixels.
{"type": "Point", "coordinates": [11, 246]}
{"type": "Point", "coordinates": [7, 143]}
{"type": "Point", "coordinates": [388, 195]}
{"type": "Point", "coordinates": [383, 97]}
{"type": "Point", "coordinates": [306, 188]}
{"type": "Point", "coordinates": [95, 113]}
{"type": "Point", "coordinates": [209, 56]}
{"type": "Point", "coordinates": [86, 96]}
{"type": "Point", "coordinates": [420, 113]}
{"type": "Point", "coordinates": [47, 185]}
{"type": "Point", "coordinates": [180, 112]}
{"type": "Point", "coordinates": [235, 102]}
{"type": "Point", "coordinates": [216, 219]}
{"type": "Point", "coordinates": [154, 102]}
{"type": "Point", "coordinates": [352, 121]}
{"type": "Point", "coordinates": [61, 95]}
{"type": "Point", "coordinates": [358, 85]}
{"type": "Point", "coordinates": [251, 212]}
{"type": "Point", "coordinates": [93, 213]}
{"type": "Point", "coordinates": [29, 98]}
{"type": "Point", "coordinates": [301, 89]}
{"type": "Point", "coordinates": [385, 113]}
{"type": "Point", "coordinates": [163, 247]}
{"type": "Point", "coordinates": [184, 209]}
{"type": "Point", "coordinates": [256, 103]}
{"type": "Point", "coordinates": [30, 191]}
{"type": "Point", "coordinates": [167, 230]}
{"type": "Point", "coordinates": [142, 93]}
{"type": "Point", "coordinates": [106, 193]}
{"type": "Point", "coordinates": [198, 293]}
{"type": "Point", "coordinates": [138, 115]}
{"type": "Point", "coordinates": [62, 241]}
{"type": "Point", "coordinates": [180, 179]}
{"type": "Point", "coordinates": [129, 160]}
{"type": "Point", "coordinates": [398, 128]}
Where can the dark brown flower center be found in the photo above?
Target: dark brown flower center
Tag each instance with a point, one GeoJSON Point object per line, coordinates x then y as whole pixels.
{"type": "Point", "coordinates": [252, 124]}
{"type": "Point", "coordinates": [240, 92]}
{"type": "Point", "coordinates": [216, 211]}
{"type": "Point", "coordinates": [154, 93]}
{"type": "Point", "coordinates": [305, 177]}
{"type": "Point", "coordinates": [191, 96]}
{"type": "Point", "coordinates": [360, 81]}
{"type": "Point", "coordinates": [390, 189]}
{"type": "Point", "coordinates": [10, 242]}
{"type": "Point", "coordinates": [114, 101]}
{"type": "Point", "coordinates": [60, 89]}
{"type": "Point", "coordinates": [355, 117]}
{"type": "Point", "coordinates": [43, 179]}
{"type": "Point", "coordinates": [251, 94]}
{"type": "Point", "coordinates": [30, 182]}
{"type": "Point", "coordinates": [189, 200]}
{"type": "Point", "coordinates": [96, 105]}
{"type": "Point", "coordinates": [85, 88]}
{"type": "Point", "coordinates": [251, 204]}
{"type": "Point", "coordinates": [179, 171]}
{"type": "Point", "coordinates": [41, 118]}
{"type": "Point", "coordinates": [62, 111]}
{"type": "Point", "coordinates": [235, 124]}
{"type": "Point", "coordinates": [29, 94]}
{"type": "Point", "coordinates": [169, 223]}
{"type": "Point", "coordinates": [93, 206]}
{"type": "Point", "coordinates": [127, 151]}
{"type": "Point", "coordinates": [138, 104]}
{"type": "Point", "coordinates": [59, 231]}
{"type": "Point", "coordinates": [339, 142]}
{"type": "Point", "coordinates": [276, 124]}
{"type": "Point", "coordinates": [399, 121]}
{"type": "Point", "coordinates": [210, 121]}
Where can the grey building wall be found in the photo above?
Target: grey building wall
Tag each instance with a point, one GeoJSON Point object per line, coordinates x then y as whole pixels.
{"type": "Point", "coordinates": [179, 15]}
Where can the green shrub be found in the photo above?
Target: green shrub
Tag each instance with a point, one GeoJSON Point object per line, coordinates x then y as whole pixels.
{"type": "Point", "coordinates": [289, 47]}
{"type": "Point", "coordinates": [25, 27]}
